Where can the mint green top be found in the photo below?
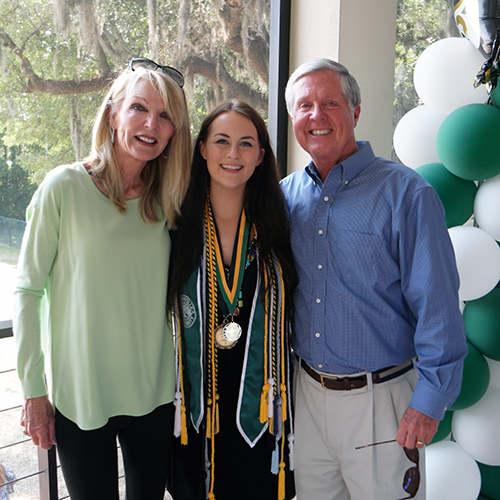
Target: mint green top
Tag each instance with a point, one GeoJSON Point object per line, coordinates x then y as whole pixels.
{"type": "Point", "coordinates": [90, 303]}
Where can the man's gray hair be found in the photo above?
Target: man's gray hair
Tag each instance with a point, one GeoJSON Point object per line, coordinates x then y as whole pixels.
{"type": "Point", "coordinates": [349, 85]}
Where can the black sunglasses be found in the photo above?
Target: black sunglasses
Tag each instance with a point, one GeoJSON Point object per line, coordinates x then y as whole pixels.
{"type": "Point", "coordinates": [411, 479]}
{"type": "Point", "coordinates": [142, 62]}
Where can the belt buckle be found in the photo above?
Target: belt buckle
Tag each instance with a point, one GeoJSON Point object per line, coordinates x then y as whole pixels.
{"type": "Point", "coordinates": [322, 378]}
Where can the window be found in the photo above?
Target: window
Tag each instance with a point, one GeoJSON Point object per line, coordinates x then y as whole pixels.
{"type": "Point", "coordinates": [57, 59]}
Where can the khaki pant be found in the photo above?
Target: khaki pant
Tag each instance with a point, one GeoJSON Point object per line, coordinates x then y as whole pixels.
{"type": "Point", "coordinates": [330, 424]}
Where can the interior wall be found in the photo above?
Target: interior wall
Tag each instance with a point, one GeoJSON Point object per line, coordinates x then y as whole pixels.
{"type": "Point", "coordinates": [361, 35]}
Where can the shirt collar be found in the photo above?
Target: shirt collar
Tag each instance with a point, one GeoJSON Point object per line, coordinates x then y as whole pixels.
{"type": "Point", "coordinates": [351, 166]}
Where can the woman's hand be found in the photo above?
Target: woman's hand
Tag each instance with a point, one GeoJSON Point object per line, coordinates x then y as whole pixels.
{"type": "Point", "coordinates": [38, 421]}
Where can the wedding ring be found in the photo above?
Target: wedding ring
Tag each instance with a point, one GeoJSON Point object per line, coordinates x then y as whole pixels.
{"type": "Point", "coordinates": [420, 442]}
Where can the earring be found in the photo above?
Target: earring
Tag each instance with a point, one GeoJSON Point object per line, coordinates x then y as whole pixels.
{"type": "Point", "coordinates": [164, 156]}
{"type": "Point", "coordinates": [112, 136]}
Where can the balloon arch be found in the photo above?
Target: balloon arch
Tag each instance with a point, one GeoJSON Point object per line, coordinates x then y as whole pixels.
{"type": "Point", "coordinates": [453, 141]}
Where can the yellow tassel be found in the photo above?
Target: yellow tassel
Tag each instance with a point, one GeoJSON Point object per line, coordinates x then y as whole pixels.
{"type": "Point", "coordinates": [271, 426]}
{"type": "Point", "coordinates": [281, 482]}
{"type": "Point", "coordinates": [211, 496]}
{"type": "Point", "coordinates": [264, 399]}
{"type": "Point", "coordinates": [283, 403]}
{"type": "Point", "coordinates": [209, 419]}
{"type": "Point", "coordinates": [184, 435]}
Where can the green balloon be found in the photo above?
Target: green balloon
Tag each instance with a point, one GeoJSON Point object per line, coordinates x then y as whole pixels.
{"type": "Point", "coordinates": [456, 194]}
{"type": "Point", "coordinates": [490, 482]}
{"type": "Point", "coordinates": [475, 379]}
{"type": "Point", "coordinates": [467, 142]}
{"type": "Point", "coordinates": [444, 428]}
{"type": "Point", "coordinates": [482, 324]}
{"type": "Point", "coordinates": [495, 97]}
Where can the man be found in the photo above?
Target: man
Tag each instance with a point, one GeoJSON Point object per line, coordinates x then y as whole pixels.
{"type": "Point", "coordinates": [378, 329]}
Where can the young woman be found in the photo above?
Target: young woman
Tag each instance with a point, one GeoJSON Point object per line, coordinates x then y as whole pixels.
{"type": "Point", "coordinates": [231, 281]}
{"type": "Point", "coordinates": [91, 291]}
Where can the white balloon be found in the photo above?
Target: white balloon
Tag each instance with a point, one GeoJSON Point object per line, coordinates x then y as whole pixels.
{"type": "Point", "coordinates": [451, 474]}
{"type": "Point", "coordinates": [487, 207]}
{"type": "Point", "coordinates": [415, 136]}
{"type": "Point", "coordinates": [476, 429]}
{"type": "Point", "coordinates": [478, 261]}
{"type": "Point", "coordinates": [444, 75]}
{"type": "Point", "coordinates": [494, 373]}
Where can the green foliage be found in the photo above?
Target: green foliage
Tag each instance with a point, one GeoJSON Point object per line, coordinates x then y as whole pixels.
{"type": "Point", "coordinates": [51, 50]}
{"type": "Point", "coordinates": [37, 124]}
{"type": "Point", "coordinates": [419, 24]}
{"type": "Point", "coordinates": [16, 187]}
{"type": "Point", "coordinates": [40, 128]}
{"type": "Point", "coordinates": [221, 46]}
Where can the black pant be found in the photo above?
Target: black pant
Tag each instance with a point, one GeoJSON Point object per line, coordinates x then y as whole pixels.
{"type": "Point", "coordinates": [90, 463]}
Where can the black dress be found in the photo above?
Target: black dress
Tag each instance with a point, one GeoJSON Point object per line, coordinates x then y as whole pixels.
{"type": "Point", "coordinates": [241, 472]}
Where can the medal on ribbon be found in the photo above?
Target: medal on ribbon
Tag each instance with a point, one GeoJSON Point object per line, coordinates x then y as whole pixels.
{"type": "Point", "coordinates": [229, 332]}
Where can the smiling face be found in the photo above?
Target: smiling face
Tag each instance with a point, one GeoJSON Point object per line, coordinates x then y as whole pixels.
{"type": "Point", "coordinates": [323, 121]}
{"type": "Point", "coordinates": [142, 126]}
{"type": "Point", "coordinates": [232, 152]}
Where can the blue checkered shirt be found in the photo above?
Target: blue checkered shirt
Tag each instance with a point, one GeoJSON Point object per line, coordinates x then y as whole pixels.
{"type": "Point", "coordinates": [378, 279]}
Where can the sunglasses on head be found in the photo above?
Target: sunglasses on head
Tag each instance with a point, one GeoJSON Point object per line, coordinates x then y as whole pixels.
{"type": "Point", "coordinates": [411, 479]}
{"type": "Point", "coordinates": [142, 62]}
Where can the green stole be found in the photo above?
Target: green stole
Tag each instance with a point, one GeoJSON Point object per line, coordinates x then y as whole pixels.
{"type": "Point", "coordinates": [263, 402]}
{"type": "Point", "coordinates": [194, 337]}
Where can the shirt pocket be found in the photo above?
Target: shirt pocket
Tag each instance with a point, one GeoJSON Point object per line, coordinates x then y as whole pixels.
{"type": "Point", "coordinates": [356, 256]}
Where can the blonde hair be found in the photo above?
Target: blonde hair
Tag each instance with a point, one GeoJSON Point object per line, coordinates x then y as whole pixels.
{"type": "Point", "coordinates": [166, 178]}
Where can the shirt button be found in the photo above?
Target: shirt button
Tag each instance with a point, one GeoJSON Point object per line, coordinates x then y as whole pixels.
{"type": "Point", "coordinates": [325, 198]}
{"type": "Point", "coordinates": [318, 301]}
{"type": "Point", "coordinates": [320, 231]}
{"type": "Point", "coordinates": [320, 366]}
{"type": "Point", "coordinates": [318, 335]}
{"type": "Point", "coordinates": [320, 266]}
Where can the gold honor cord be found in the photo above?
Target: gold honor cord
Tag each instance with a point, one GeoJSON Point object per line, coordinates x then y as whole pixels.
{"type": "Point", "coordinates": [274, 342]}
{"type": "Point", "coordinates": [216, 276]}
{"type": "Point", "coordinates": [212, 396]}
{"type": "Point", "coordinates": [281, 475]}
{"type": "Point", "coordinates": [180, 389]}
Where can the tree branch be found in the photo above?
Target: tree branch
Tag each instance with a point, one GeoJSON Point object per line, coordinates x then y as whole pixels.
{"type": "Point", "coordinates": [219, 75]}
{"type": "Point", "coordinates": [34, 83]}
{"type": "Point", "coordinates": [258, 48]}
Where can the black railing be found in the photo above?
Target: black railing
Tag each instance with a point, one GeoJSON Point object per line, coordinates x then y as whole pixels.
{"type": "Point", "coordinates": [50, 482]}
{"type": "Point", "coordinates": [5, 329]}
{"type": "Point", "coordinates": [47, 466]}
{"type": "Point", "coordinates": [11, 232]}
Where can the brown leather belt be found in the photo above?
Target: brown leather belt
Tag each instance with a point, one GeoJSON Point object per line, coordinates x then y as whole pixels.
{"type": "Point", "coordinates": [347, 383]}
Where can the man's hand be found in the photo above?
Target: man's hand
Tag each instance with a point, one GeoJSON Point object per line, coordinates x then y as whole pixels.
{"type": "Point", "coordinates": [38, 421]}
{"type": "Point", "coordinates": [416, 429]}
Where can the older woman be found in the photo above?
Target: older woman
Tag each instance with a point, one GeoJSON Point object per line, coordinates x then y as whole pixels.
{"type": "Point", "coordinates": [91, 291]}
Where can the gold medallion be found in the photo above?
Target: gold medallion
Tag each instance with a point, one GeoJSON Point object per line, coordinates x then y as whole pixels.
{"type": "Point", "coordinates": [227, 334]}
